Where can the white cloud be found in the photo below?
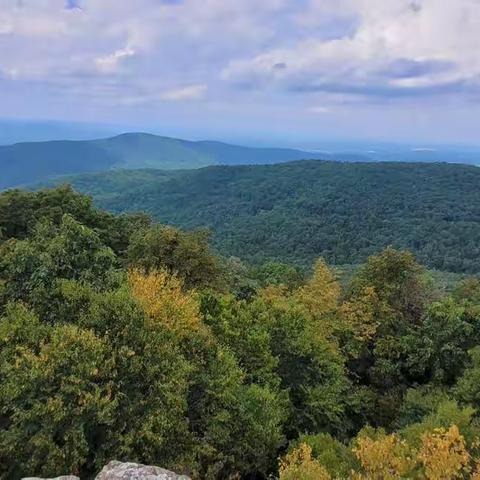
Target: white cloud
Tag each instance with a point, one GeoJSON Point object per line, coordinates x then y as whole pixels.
{"type": "Point", "coordinates": [191, 92]}
{"type": "Point", "coordinates": [320, 109]}
{"type": "Point", "coordinates": [356, 46]}
{"type": "Point", "coordinates": [110, 63]}
{"type": "Point", "coordinates": [398, 46]}
{"type": "Point", "coordinates": [182, 94]}
{"type": "Point", "coordinates": [278, 59]}
{"type": "Point", "coordinates": [12, 73]}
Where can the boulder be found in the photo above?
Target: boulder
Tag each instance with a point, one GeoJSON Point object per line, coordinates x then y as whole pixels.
{"type": "Point", "coordinates": [64, 477]}
{"type": "Point", "coordinates": [134, 471]}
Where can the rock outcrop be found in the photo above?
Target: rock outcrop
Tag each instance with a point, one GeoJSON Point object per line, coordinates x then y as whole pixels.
{"type": "Point", "coordinates": [134, 471]}
{"type": "Point", "coordinates": [126, 471]}
{"type": "Point", "coordinates": [64, 477]}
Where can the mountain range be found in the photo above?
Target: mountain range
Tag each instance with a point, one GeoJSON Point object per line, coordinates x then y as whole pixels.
{"type": "Point", "coordinates": [29, 162]}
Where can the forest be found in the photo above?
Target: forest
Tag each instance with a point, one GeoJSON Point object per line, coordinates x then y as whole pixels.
{"type": "Point", "coordinates": [296, 212]}
{"type": "Point", "coordinates": [121, 338]}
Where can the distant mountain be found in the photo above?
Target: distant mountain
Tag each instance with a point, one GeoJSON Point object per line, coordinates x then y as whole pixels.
{"type": "Point", "coordinates": [35, 162]}
{"type": "Point", "coordinates": [295, 212]}
{"type": "Point", "coordinates": [16, 131]}
{"type": "Point", "coordinates": [26, 163]}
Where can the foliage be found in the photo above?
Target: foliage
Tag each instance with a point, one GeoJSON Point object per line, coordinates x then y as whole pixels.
{"type": "Point", "coordinates": [444, 454]}
{"type": "Point", "coordinates": [183, 253]}
{"type": "Point", "coordinates": [300, 211]}
{"type": "Point", "coordinates": [56, 396]}
{"type": "Point", "coordinates": [299, 465]}
{"type": "Point", "coordinates": [163, 300]}
{"type": "Point", "coordinates": [383, 457]}
{"type": "Point", "coordinates": [320, 294]}
{"type": "Point", "coordinates": [336, 457]}
{"type": "Point", "coordinates": [123, 339]}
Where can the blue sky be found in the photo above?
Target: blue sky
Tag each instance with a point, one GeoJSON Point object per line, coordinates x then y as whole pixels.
{"type": "Point", "coordinates": [268, 70]}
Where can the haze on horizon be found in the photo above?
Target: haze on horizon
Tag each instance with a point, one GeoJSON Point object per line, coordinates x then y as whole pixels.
{"type": "Point", "coordinates": [289, 70]}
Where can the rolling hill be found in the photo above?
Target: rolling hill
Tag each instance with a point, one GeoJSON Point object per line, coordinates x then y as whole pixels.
{"type": "Point", "coordinates": [295, 212]}
{"type": "Point", "coordinates": [25, 163]}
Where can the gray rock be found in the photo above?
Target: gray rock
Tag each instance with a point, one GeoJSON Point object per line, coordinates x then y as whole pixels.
{"type": "Point", "coordinates": [64, 477]}
{"type": "Point", "coordinates": [133, 471]}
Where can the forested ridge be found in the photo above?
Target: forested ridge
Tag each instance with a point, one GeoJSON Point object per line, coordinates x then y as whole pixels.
{"type": "Point", "coordinates": [28, 162]}
{"type": "Point", "coordinates": [299, 211]}
{"type": "Point", "coordinates": [127, 339]}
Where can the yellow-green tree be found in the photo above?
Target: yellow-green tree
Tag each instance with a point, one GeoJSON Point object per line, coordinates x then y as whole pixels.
{"type": "Point", "coordinates": [383, 457]}
{"type": "Point", "coordinates": [299, 465]}
{"type": "Point", "coordinates": [164, 301]}
{"type": "Point", "coordinates": [320, 295]}
{"type": "Point", "coordinates": [444, 454]}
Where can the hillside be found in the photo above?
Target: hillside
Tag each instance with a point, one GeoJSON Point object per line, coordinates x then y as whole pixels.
{"type": "Point", "coordinates": [24, 163]}
{"type": "Point", "coordinates": [297, 211]}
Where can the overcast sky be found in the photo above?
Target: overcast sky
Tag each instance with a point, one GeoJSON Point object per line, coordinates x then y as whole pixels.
{"type": "Point", "coordinates": [295, 70]}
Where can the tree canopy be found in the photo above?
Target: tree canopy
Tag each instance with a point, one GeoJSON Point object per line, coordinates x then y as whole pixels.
{"type": "Point", "coordinates": [122, 338]}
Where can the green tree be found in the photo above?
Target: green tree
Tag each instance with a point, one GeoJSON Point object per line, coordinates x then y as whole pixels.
{"type": "Point", "coordinates": [275, 273]}
{"type": "Point", "coordinates": [20, 211]}
{"type": "Point", "coordinates": [56, 400]}
{"type": "Point", "coordinates": [153, 379]}
{"type": "Point", "coordinates": [468, 385]}
{"type": "Point", "coordinates": [186, 254]}
{"type": "Point", "coordinates": [437, 349]}
{"type": "Point", "coordinates": [337, 458]}
{"type": "Point", "coordinates": [385, 306]}
{"type": "Point", "coordinates": [238, 426]}
{"type": "Point", "coordinates": [32, 268]}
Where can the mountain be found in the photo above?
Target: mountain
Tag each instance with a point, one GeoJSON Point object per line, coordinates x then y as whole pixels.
{"type": "Point", "coordinates": [32, 162]}
{"type": "Point", "coordinates": [25, 163]}
{"type": "Point", "coordinates": [16, 131]}
{"type": "Point", "coordinates": [295, 212]}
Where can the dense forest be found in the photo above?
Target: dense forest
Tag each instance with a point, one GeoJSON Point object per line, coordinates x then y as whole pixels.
{"type": "Point", "coordinates": [297, 212]}
{"type": "Point", "coordinates": [127, 339]}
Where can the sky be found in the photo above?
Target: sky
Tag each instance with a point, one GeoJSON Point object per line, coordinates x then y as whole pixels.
{"type": "Point", "coordinates": [291, 71]}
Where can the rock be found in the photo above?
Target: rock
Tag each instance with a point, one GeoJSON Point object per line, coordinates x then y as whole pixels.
{"type": "Point", "coordinates": [134, 471]}
{"type": "Point", "coordinates": [64, 477]}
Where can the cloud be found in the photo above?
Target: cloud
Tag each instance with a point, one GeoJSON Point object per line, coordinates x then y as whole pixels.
{"type": "Point", "coordinates": [191, 92]}
{"type": "Point", "coordinates": [110, 63]}
{"type": "Point", "coordinates": [181, 94]}
{"type": "Point", "coordinates": [320, 109]}
{"type": "Point", "coordinates": [399, 47]}
{"type": "Point", "coordinates": [274, 59]}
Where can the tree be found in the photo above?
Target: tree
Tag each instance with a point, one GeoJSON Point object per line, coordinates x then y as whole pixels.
{"type": "Point", "coordinates": [438, 348]}
{"type": "Point", "coordinates": [279, 346]}
{"type": "Point", "coordinates": [337, 458]}
{"type": "Point", "coordinates": [383, 309]}
{"type": "Point", "coordinates": [299, 465]}
{"type": "Point", "coordinates": [444, 454]}
{"type": "Point", "coordinates": [311, 369]}
{"type": "Point", "coordinates": [447, 413]}
{"type": "Point", "coordinates": [153, 377]}
{"type": "Point", "coordinates": [320, 295]}
{"type": "Point", "coordinates": [274, 273]}
{"type": "Point", "coordinates": [20, 211]}
{"type": "Point", "coordinates": [161, 296]}
{"type": "Point", "coordinates": [32, 269]}
{"type": "Point", "coordinates": [468, 385]}
{"type": "Point", "coordinates": [57, 398]}
{"type": "Point", "coordinates": [245, 329]}
{"type": "Point", "coordinates": [383, 457]}
{"type": "Point", "coordinates": [184, 253]}
{"type": "Point", "coordinates": [398, 281]}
